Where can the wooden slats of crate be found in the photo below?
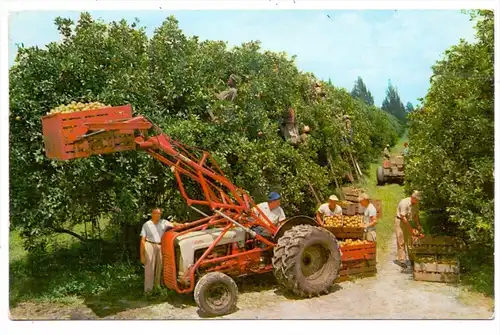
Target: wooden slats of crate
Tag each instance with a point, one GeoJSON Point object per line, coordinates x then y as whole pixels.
{"type": "Point", "coordinates": [367, 251]}
{"type": "Point", "coordinates": [435, 245]}
{"type": "Point", "coordinates": [356, 269]}
{"type": "Point", "coordinates": [346, 232]}
{"type": "Point", "coordinates": [443, 277]}
{"type": "Point", "coordinates": [432, 256]}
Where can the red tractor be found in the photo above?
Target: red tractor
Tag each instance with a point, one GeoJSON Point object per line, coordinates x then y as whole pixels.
{"type": "Point", "coordinates": [205, 255]}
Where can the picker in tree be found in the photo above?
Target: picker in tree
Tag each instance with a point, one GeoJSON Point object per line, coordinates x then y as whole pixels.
{"type": "Point", "coordinates": [230, 94]}
{"type": "Point", "coordinates": [290, 130]}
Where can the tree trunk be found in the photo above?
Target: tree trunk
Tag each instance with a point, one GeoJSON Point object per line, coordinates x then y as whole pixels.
{"type": "Point", "coordinates": [70, 232]}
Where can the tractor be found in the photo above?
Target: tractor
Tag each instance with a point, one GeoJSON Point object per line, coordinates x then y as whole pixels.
{"type": "Point", "coordinates": [391, 171]}
{"type": "Point", "coordinates": [205, 256]}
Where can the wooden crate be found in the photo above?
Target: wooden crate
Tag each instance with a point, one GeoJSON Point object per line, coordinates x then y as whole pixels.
{"type": "Point", "coordinates": [378, 206]}
{"type": "Point", "coordinates": [367, 251]}
{"type": "Point", "coordinates": [355, 269]}
{"type": "Point", "coordinates": [352, 194]}
{"type": "Point", "coordinates": [443, 277]}
{"type": "Point", "coordinates": [346, 232]}
{"type": "Point", "coordinates": [436, 267]}
{"type": "Point", "coordinates": [435, 245]}
{"type": "Point", "coordinates": [436, 263]}
{"type": "Point", "coordinates": [349, 208]}
{"type": "Point", "coordinates": [61, 130]}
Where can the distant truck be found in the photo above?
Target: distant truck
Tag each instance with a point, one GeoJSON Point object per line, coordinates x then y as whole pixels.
{"type": "Point", "coordinates": [391, 171]}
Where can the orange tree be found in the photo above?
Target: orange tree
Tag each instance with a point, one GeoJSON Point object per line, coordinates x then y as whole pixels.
{"type": "Point", "coordinates": [451, 142]}
{"type": "Point", "coordinates": [172, 79]}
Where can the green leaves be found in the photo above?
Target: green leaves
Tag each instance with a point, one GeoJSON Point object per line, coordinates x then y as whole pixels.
{"type": "Point", "coordinates": [173, 79]}
{"type": "Point", "coordinates": [451, 138]}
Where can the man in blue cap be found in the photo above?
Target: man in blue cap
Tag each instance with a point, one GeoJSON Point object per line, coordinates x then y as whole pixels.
{"type": "Point", "coordinates": [272, 209]}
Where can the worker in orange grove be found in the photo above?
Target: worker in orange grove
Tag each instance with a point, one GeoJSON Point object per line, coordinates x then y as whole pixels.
{"type": "Point", "coordinates": [407, 211]}
{"type": "Point", "coordinates": [151, 256]}
{"type": "Point", "coordinates": [387, 153]}
{"type": "Point", "coordinates": [369, 218]}
{"type": "Point", "coordinates": [331, 208]}
{"type": "Point", "coordinates": [273, 211]}
{"type": "Point", "coordinates": [272, 208]}
{"type": "Point", "coordinates": [405, 150]}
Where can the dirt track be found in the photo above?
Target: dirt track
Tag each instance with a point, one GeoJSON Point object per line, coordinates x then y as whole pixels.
{"type": "Point", "coordinates": [389, 295]}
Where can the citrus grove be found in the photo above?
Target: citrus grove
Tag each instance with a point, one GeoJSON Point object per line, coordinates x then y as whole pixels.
{"type": "Point", "coordinates": [452, 151]}
{"type": "Point", "coordinates": [173, 80]}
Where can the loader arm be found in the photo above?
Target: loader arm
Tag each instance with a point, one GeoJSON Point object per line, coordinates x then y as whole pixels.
{"type": "Point", "coordinates": [219, 193]}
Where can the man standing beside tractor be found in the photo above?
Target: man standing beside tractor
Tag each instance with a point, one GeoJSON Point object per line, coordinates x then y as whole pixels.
{"type": "Point", "coordinates": [387, 153]}
{"type": "Point", "coordinates": [331, 208]}
{"type": "Point", "coordinates": [369, 218]}
{"type": "Point", "coordinates": [151, 256]}
{"type": "Point", "coordinates": [407, 211]}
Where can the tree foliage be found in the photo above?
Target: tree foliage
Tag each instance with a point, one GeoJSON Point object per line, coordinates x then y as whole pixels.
{"type": "Point", "coordinates": [392, 103]}
{"type": "Point", "coordinates": [409, 107]}
{"type": "Point", "coordinates": [172, 79]}
{"type": "Point", "coordinates": [452, 136]}
{"type": "Point", "coordinates": [361, 92]}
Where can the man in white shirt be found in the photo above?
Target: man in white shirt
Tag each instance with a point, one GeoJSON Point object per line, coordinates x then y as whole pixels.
{"type": "Point", "coordinates": [272, 208]}
{"type": "Point", "coordinates": [273, 211]}
{"type": "Point", "coordinates": [369, 218]}
{"type": "Point", "coordinates": [329, 209]}
{"type": "Point", "coordinates": [151, 256]}
{"type": "Point", "coordinates": [407, 212]}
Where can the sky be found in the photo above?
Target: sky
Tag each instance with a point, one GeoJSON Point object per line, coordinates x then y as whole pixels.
{"type": "Point", "coordinates": [378, 45]}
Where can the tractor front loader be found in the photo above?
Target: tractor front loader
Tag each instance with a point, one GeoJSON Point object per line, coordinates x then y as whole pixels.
{"type": "Point", "coordinates": [203, 257]}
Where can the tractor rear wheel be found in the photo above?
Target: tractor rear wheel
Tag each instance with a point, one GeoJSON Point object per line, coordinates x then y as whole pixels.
{"type": "Point", "coordinates": [307, 260]}
{"type": "Point", "coordinates": [380, 176]}
{"type": "Point", "coordinates": [216, 294]}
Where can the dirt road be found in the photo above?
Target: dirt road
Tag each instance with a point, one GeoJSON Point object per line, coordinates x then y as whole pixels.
{"type": "Point", "coordinates": [390, 295]}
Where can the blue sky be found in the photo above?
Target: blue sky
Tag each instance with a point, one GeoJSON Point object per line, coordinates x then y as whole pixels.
{"type": "Point", "coordinates": [378, 45]}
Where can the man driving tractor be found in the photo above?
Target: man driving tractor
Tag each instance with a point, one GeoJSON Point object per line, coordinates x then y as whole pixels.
{"type": "Point", "coordinates": [272, 210]}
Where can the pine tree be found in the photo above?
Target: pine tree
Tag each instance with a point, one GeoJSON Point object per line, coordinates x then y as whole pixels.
{"type": "Point", "coordinates": [409, 107]}
{"type": "Point", "coordinates": [359, 91]}
{"type": "Point", "coordinates": [392, 103]}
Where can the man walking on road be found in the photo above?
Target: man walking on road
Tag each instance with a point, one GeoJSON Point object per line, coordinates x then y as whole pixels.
{"type": "Point", "coordinates": [405, 150]}
{"type": "Point", "coordinates": [369, 218]}
{"type": "Point", "coordinates": [407, 211]}
{"type": "Point", "coordinates": [151, 256]}
{"type": "Point", "coordinates": [329, 209]}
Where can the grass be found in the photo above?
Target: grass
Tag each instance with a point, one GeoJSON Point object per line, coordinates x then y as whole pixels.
{"type": "Point", "coordinates": [71, 273]}
{"type": "Point", "coordinates": [390, 194]}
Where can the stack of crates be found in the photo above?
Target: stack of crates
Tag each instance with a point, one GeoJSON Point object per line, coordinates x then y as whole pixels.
{"type": "Point", "coordinates": [435, 259]}
{"type": "Point", "coordinates": [358, 256]}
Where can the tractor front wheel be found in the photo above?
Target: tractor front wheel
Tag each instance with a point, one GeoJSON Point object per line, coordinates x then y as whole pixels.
{"type": "Point", "coordinates": [307, 260]}
{"type": "Point", "coordinates": [216, 294]}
